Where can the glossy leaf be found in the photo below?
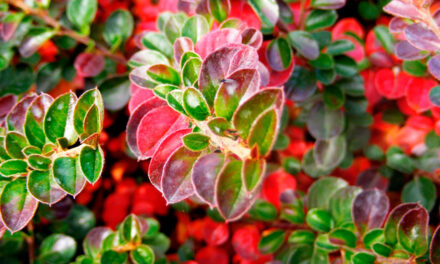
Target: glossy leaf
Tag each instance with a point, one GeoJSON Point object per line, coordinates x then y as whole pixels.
{"type": "Point", "coordinates": [318, 19]}
{"type": "Point", "coordinates": [421, 37]}
{"type": "Point", "coordinates": [57, 248]}
{"type": "Point", "coordinates": [34, 121]}
{"type": "Point", "coordinates": [81, 13]}
{"type": "Point", "coordinates": [253, 173]}
{"type": "Point", "coordinates": [329, 153]}
{"type": "Point", "coordinates": [232, 91]}
{"type": "Point", "coordinates": [164, 74]}
{"type": "Point", "coordinates": [195, 28]}
{"type": "Point", "coordinates": [147, 58]}
{"type": "Point", "coordinates": [412, 231]}
{"type": "Point", "coordinates": [370, 209]}
{"type": "Point", "coordinates": [305, 44]}
{"type": "Point", "coordinates": [319, 220]}
{"type": "Point", "coordinates": [42, 186]}
{"type": "Point", "coordinates": [204, 175]}
{"type": "Point", "coordinates": [272, 241]}
{"type": "Point", "coordinates": [341, 202]}
{"type": "Point", "coordinates": [391, 225]}
{"type": "Point", "coordinates": [118, 28]}
{"type": "Point", "coordinates": [16, 117]}
{"type": "Point", "coordinates": [181, 46]}
{"type": "Point", "coordinates": [158, 42]}
{"type": "Point", "coordinates": [13, 167]}
{"type": "Point", "coordinates": [39, 162]}
{"type": "Point", "coordinates": [190, 71]}
{"type": "Point", "coordinates": [278, 54]}
{"type": "Point", "coordinates": [343, 237]}
{"type": "Point", "coordinates": [58, 122]}
{"type": "Point", "coordinates": [94, 240]}
{"type": "Point", "coordinates": [434, 66]}
{"type": "Point", "coordinates": [142, 255]}
{"type": "Point", "coordinates": [325, 123]}
{"type": "Point", "coordinates": [176, 180]}
{"type": "Point", "coordinates": [17, 206]}
{"type": "Point", "coordinates": [328, 4]}
{"type": "Point", "coordinates": [340, 46]}
{"type": "Point", "coordinates": [34, 39]}
{"type": "Point", "coordinates": [421, 190]}
{"type": "Point", "coordinates": [267, 10]}
{"type": "Point", "coordinates": [67, 175]}
{"type": "Point", "coordinates": [253, 107]}
{"type": "Point", "coordinates": [196, 141]}
{"type": "Point", "coordinates": [322, 189]}
{"type": "Point", "coordinates": [91, 163]}
{"type": "Point", "coordinates": [195, 104]}
{"type": "Point", "coordinates": [434, 254]}
{"type": "Point", "coordinates": [14, 144]}
{"type": "Point", "coordinates": [264, 131]}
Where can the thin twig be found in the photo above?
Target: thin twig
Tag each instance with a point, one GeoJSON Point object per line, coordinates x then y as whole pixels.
{"type": "Point", "coordinates": [302, 14]}
{"type": "Point", "coordinates": [30, 240]}
{"type": "Point", "coordinates": [61, 30]}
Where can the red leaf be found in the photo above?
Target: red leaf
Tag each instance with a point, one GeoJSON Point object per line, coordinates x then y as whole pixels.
{"type": "Point", "coordinates": [391, 86]}
{"type": "Point", "coordinates": [89, 64]}
{"type": "Point", "coordinates": [138, 96]}
{"type": "Point", "coordinates": [204, 176]}
{"type": "Point", "coordinates": [217, 39]}
{"type": "Point", "coordinates": [156, 125]}
{"type": "Point", "coordinates": [160, 156]}
{"type": "Point", "coordinates": [417, 94]}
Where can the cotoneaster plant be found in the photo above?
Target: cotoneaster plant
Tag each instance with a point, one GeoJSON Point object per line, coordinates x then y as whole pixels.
{"type": "Point", "coordinates": [49, 149]}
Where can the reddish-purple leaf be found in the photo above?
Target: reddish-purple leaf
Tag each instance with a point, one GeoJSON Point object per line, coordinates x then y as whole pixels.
{"type": "Point", "coordinates": [252, 37]}
{"type": "Point", "coordinates": [15, 118]}
{"type": "Point", "coordinates": [89, 64]}
{"type": "Point", "coordinates": [370, 209]}
{"type": "Point", "coordinates": [233, 89]}
{"type": "Point", "coordinates": [413, 231]}
{"type": "Point", "coordinates": [436, 17]}
{"type": "Point", "coordinates": [176, 179]}
{"type": "Point", "coordinates": [160, 156]}
{"type": "Point", "coordinates": [187, 6]}
{"type": "Point", "coordinates": [217, 39]}
{"type": "Point", "coordinates": [390, 228]}
{"type": "Point", "coordinates": [9, 25]}
{"type": "Point", "coordinates": [17, 206]}
{"type": "Point", "coordinates": [421, 37]}
{"type": "Point", "coordinates": [138, 96]}
{"type": "Point", "coordinates": [403, 8]}
{"type": "Point", "coordinates": [372, 178]}
{"type": "Point", "coordinates": [231, 197]}
{"type": "Point", "coordinates": [264, 74]}
{"type": "Point", "coordinates": [94, 240]}
{"type": "Point", "coordinates": [156, 125]}
{"type": "Point", "coordinates": [182, 45]}
{"type": "Point", "coordinates": [136, 117]}
{"type": "Point", "coordinates": [405, 51]}
{"type": "Point", "coordinates": [204, 175]}
{"type": "Point", "coordinates": [434, 66]}
{"type": "Point", "coordinates": [397, 25]}
{"type": "Point", "coordinates": [42, 186]}
{"type": "Point", "coordinates": [434, 250]}
{"type": "Point", "coordinates": [6, 104]}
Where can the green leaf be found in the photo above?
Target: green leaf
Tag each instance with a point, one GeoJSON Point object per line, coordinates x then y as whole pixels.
{"type": "Point", "coordinates": [302, 237]}
{"type": "Point", "coordinates": [48, 76]}
{"type": "Point", "coordinates": [263, 132]}
{"type": "Point", "coordinates": [94, 241]}
{"type": "Point", "coordinates": [39, 162]}
{"type": "Point", "coordinates": [292, 165]}
{"type": "Point", "coordinates": [92, 122]}
{"type": "Point", "coordinates": [345, 66]}
{"type": "Point", "coordinates": [190, 71]}
{"type": "Point", "coordinates": [372, 237]}
{"type": "Point", "coordinates": [271, 241]}
{"type": "Point", "coordinates": [67, 175]}
{"type": "Point", "coordinates": [412, 231]}
{"type": "Point", "coordinates": [340, 46]}
{"type": "Point", "coordinates": [219, 125]}
{"type": "Point", "coordinates": [333, 96]}
{"type": "Point", "coordinates": [382, 249]}
{"type": "Point", "coordinates": [415, 68]}
{"type": "Point", "coordinates": [143, 254]}
{"type": "Point", "coordinates": [268, 11]}
{"type": "Point", "coordinates": [253, 173]}
{"type": "Point", "coordinates": [195, 104]}
{"type": "Point", "coordinates": [363, 258]}
{"type": "Point", "coordinates": [118, 28]}
{"type": "Point", "coordinates": [158, 42]}
{"type": "Point", "coordinates": [113, 257]}
{"type": "Point", "coordinates": [16, 80]}
{"type": "Point", "coordinates": [196, 141]}
{"type": "Point", "coordinates": [385, 38]}
{"type": "Point", "coordinates": [91, 163]}
{"type": "Point", "coordinates": [162, 90]}
{"type": "Point", "coordinates": [319, 220]}
{"type": "Point", "coordinates": [173, 27]}
{"type": "Point", "coordinates": [400, 161]}
{"type": "Point", "coordinates": [305, 44]}
{"type": "Point", "coordinates": [164, 74]}
{"type": "Point", "coordinates": [14, 144]}
{"type": "Point", "coordinates": [329, 153]}
{"type": "Point", "coordinates": [342, 237]}
{"type": "Point", "coordinates": [323, 62]}
{"type": "Point", "coordinates": [13, 167]}
{"type": "Point", "coordinates": [58, 121]}
{"type": "Point", "coordinates": [325, 123]}
{"type": "Point", "coordinates": [322, 189]}
{"type": "Point", "coordinates": [17, 206]}
{"type": "Point", "coordinates": [129, 230]}
{"type": "Point", "coordinates": [42, 186]}
{"type": "Point", "coordinates": [35, 38]}
{"type": "Point", "coordinates": [279, 54]}
{"type": "Point", "coordinates": [88, 99]}
{"type": "Point", "coordinates": [341, 202]}
{"type": "Point", "coordinates": [369, 10]}
{"type": "Point", "coordinates": [325, 76]}
{"type": "Point", "coordinates": [318, 19]}
{"type": "Point", "coordinates": [147, 58]}
{"type": "Point", "coordinates": [263, 211]}
{"type": "Point", "coordinates": [115, 92]}
{"type": "Point", "coordinates": [252, 108]}
{"type": "Point", "coordinates": [323, 243]}
{"type": "Point", "coordinates": [57, 248]}
{"type": "Point", "coordinates": [34, 121]}
{"type": "Point", "coordinates": [195, 27]}
{"type": "Point", "coordinates": [81, 13]}
{"type": "Point", "coordinates": [421, 190]}
{"type": "Point", "coordinates": [175, 100]}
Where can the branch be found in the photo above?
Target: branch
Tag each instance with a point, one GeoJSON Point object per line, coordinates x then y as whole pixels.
{"type": "Point", "coordinates": [31, 242]}
{"type": "Point", "coordinates": [62, 30]}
